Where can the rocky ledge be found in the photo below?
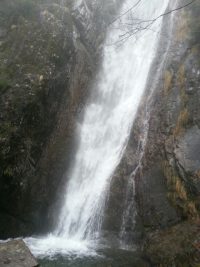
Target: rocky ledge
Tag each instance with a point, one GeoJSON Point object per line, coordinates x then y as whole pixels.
{"type": "Point", "coordinates": [15, 253]}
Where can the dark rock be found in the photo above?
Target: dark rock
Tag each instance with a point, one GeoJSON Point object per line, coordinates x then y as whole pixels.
{"type": "Point", "coordinates": [16, 254]}
{"type": "Point", "coordinates": [167, 184]}
{"type": "Point", "coordinates": [175, 246]}
{"type": "Point", "coordinates": [48, 56]}
{"type": "Point", "coordinates": [153, 204]}
{"type": "Point", "coordinates": [188, 150]}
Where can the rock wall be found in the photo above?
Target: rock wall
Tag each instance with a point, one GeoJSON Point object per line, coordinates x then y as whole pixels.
{"type": "Point", "coordinates": [49, 52]}
{"type": "Point", "coordinates": [173, 150]}
{"type": "Point", "coordinates": [167, 186]}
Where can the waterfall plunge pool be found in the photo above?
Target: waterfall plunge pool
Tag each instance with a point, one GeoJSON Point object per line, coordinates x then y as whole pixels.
{"type": "Point", "coordinates": [58, 252]}
{"type": "Point", "coordinates": [104, 258]}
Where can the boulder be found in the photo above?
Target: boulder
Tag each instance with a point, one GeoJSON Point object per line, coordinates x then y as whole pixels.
{"type": "Point", "coordinates": [15, 253]}
{"type": "Point", "coordinates": [188, 150]}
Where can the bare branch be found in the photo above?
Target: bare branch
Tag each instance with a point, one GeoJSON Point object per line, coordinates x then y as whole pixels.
{"type": "Point", "coordinates": [140, 25]}
{"type": "Point", "coordinates": [123, 14]}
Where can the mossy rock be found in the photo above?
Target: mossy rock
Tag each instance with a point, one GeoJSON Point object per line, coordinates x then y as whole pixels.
{"type": "Point", "coordinates": [4, 85]}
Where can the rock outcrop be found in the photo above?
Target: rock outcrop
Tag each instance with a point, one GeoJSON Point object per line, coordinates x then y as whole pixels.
{"type": "Point", "coordinates": [15, 253]}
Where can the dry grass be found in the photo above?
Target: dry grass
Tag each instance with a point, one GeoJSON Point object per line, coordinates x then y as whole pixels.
{"type": "Point", "coordinates": [198, 174]}
{"type": "Point", "coordinates": [192, 210]}
{"type": "Point", "coordinates": [183, 27]}
{"type": "Point", "coordinates": [181, 122]}
{"type": "Point", "coordinates": [181, 81]}
{"type": "Point", "coordinates": [178, 194]}
{"type": "Point", "coordinates": [167, 81]}
{"type": "Point", "coordinates": [180, 190]}
{"type": "Point", "coordinates": [181, 76]}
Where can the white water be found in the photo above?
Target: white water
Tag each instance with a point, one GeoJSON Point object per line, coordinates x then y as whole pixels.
{"type": "Point", "coordinates": [104, 132]}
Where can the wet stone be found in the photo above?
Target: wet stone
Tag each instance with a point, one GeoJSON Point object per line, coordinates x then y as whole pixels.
{"type": "Point", "coordinates": [15, 253]}
{"type": "Point", "coordinates": [188, 150]}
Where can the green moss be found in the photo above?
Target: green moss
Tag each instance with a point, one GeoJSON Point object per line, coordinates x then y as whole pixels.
{"type": "Point", "coordinates": [9, 172]}
{"type": "Point", "coordinates": [7, 129]}
{"type": "Point", "coordinates": [4, 85]}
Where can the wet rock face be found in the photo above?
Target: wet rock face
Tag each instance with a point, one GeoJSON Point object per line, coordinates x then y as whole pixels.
{"type": "Point", "coordinates": [188, 150]}
{"type": "Point", "coordinates": [182, 245]}
{"type": "Point", "coordinates": [167, 189]}
{"type": "Point", "coordinates": [16, 254]}
{"type": "Point", "coordinates": [155, 208]}
{"type": "Point", "coordinates": [48, 56]}
{"type": "Point", "coordinates": [167, 186]}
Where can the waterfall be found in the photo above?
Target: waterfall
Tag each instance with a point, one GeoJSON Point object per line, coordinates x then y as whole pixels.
{"type": "Point", "coordinates": [105, 129]}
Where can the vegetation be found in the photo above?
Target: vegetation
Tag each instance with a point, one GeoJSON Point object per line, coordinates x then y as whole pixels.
{"type": "Point", "coordinates": [168, 77]}
{"type": "Point", "coordinates": [178, 193]}
{"type": "Point", "coordinates": [182, 122]}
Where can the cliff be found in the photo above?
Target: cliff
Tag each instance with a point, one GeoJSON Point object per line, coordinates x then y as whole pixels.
{"type": "Point", "coordinates": [171, 160]}
{"type": "Point", "coordinates": [48, 55]}
{"type": "Point", "coordinates": [161, 163]}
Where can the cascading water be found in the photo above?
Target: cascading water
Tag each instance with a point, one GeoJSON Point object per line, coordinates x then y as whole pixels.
{"type": "Point", "coordinates": [105, 130]}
